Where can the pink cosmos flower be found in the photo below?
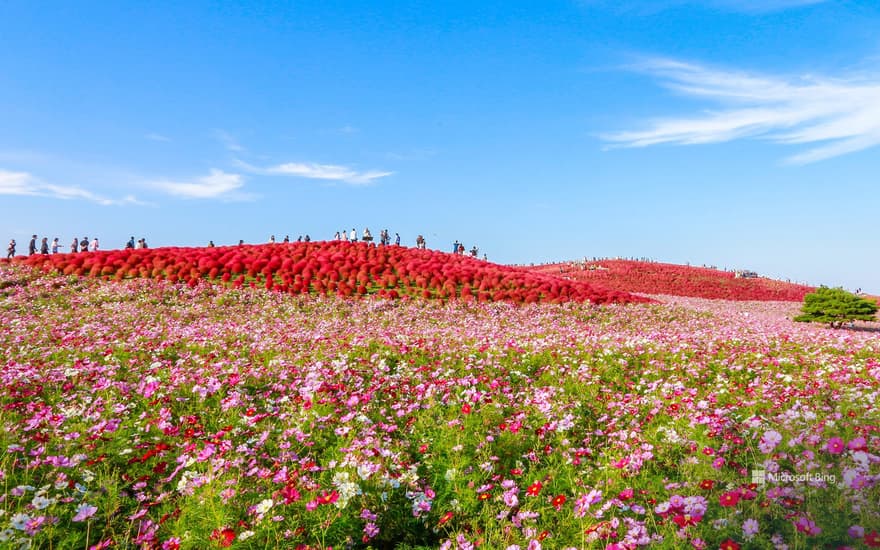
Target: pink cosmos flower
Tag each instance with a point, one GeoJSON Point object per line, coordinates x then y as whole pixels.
{"type": "Point", "coordinates": [84, 511]}
{"type": "Point", "coordinates": [835, 446]}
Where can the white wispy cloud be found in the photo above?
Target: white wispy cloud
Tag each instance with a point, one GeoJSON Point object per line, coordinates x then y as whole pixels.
{"type": "Point", "coordinates": [228, 141]}
{"type": "Point", "coordinates": [327, 172]}
{"type": "Point", "coordinates": [749, 7]}
{"type": "Point", "coordinates": [763, 5]}
{"type": "Point", "coordinates": [152, 136]}
{"type": "Point", "coordinates": [17, 183]}
{"type": "Point", "coordinates": [310, 170]}
{"type": "Point", "coordinates": [25, 183]}
{"type": "Point", "coordinates": [216, 185]}
{"type": "Point", "coordinates": [836, 115]}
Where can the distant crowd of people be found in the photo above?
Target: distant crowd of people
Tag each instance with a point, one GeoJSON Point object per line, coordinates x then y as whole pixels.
{"type": "Point", "coordinates": [385, 239]}
{"type": "Point", "coordinates": [92, 245]}
{"type": "Point", "coordinates": [76, 245]}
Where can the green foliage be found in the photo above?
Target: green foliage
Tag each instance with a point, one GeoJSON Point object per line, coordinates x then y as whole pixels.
{"type": "Point", "coordinates": [836, 306]}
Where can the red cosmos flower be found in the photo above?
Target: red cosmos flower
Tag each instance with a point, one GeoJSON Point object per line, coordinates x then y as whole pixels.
{"type": "Point", "coordinates": [543, 535]}
{"type": "Point", "coordinates": [290, 494]}
{"type": "Point", "coordinates": [872, 539]}
{"type": "Point", "coordinates": [729, 498]}
{"type": "Point", "coordinates": [534, 489]}
{"type": "Point", "coordinates": [625, 495]}
{"type": "Point", "coordinates": [484, 496]}
{"type": "Point", "coordinates": [224, 537]}
{"type": "Point", "coordinates": [446, 517]}
{"type": "Point", "coordinates": [558, 501]}
{"type": "Point", "coordinates": [515, 472]}
{"type": "Point", "coordinates": [466, 408]}
{"type": "Point", "coordinates": [684, 520]}
{"type": "Point", "coordinates": [327, 498]}
{"type": "Point", "coordinates": [707, 484]}
{"type": "Point", "coordinates": [729, 544]}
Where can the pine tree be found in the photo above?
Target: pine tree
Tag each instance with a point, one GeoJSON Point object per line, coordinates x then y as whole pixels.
{"type": "Point", "coordinates": [836, 306]}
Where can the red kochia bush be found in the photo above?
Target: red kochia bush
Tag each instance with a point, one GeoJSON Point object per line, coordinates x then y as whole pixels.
{"type": "Point", "coordinates": [343, 268]}
{"type": "Point", "coordinates": [676, 280]}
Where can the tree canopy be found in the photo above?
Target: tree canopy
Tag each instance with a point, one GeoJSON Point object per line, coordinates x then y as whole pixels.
{"type": "Point", "coordinates": [836, 306]}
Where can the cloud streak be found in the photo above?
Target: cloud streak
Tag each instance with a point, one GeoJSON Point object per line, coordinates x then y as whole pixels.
{"type": "Point", "coordinates": [216, 185]}
{"type": "Point", "coordinates": [327, 172]}
{"type": "Point", "coordinates": [26, 184]}
{"type": "Point", "coordinates": [835, 115]}
{"type": "Point", "coordinates": [763, 5]}
{"type": "Point", "coordinates": [748, 7]}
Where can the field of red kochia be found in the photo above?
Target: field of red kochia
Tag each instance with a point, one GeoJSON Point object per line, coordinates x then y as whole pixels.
{"type": "Point", "coordinates": [341, 268]}
{"type": "Point", "coordinates": [676, 280]}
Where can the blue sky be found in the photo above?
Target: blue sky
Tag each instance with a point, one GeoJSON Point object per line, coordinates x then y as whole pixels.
{"type": "Point", "coordinates": [736, 133]}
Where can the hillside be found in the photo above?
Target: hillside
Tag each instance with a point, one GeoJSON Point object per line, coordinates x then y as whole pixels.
{"type": "Point", "coordinates": [675, 280]}
{"type": "Point", "coordinates": [334, 267]}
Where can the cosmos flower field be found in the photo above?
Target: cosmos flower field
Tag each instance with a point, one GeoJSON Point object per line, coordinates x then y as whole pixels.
{"type": "Point", "coordinates": [142, 413]}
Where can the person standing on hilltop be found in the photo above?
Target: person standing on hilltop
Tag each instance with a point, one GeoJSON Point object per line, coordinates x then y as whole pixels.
{"type": "Point", "coordinates": [74, 246]}
{"type": "Point", "coordinates": [44, 245]}
{"type": "Point", "coordinates": [397, 239]}
{"type": "Point", "coordinates": [94, 246]}
{"type": "Point", "coordinates": [32, 246]}
{"type": "Point", "coordinates": [271, 239]}
{"type": "Point", "coordinates": [10, 250]}
{"type": "Point", "coordinates": [130, 243]}
{"type": "Point", "coordinates": [55, 245]}
{"type": "Point", "coordinates": [84, 244]}
{"type": "Point", "coordinates": [354, 235]}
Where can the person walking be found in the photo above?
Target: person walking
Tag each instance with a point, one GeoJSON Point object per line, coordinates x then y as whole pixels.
{"type": "Point", "coordinates": [44, 245]}
{"type": "Point", "coordinates": [354, 235]}
{"type": "Point", "coordinates": [210, 244]}
{"type": "Point", "coordinates": [271, 239]}
{"type": "Point", "coordinates": [94, 246]}
{"type": "Point", "coordinates": [74, 246]}
{"type": "Point", "coordinates": [286, 239]}
{"type": "Point", "coordinates": [32, 246]}
{"type": "Point", "coordinates": [84, 244]}
{"type": "Point", "coordinates": [10, 250]}
{"type": "Point", "coordinates": [130, 243]}
{"type": "Point", "coordinates": [397, 239]}
{"type": "Point", "coordinates": [55, 245]}
{"type": "Point", "coordinates": [455, 247]}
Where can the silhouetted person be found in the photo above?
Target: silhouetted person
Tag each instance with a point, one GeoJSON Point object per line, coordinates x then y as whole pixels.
{"type": "Point", "coordinates": [32, 246]}
{"type": "Point", "coordinates": [10, 250]}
